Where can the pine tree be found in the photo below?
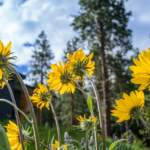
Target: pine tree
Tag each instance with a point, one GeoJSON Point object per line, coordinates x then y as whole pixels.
{"type": "Point", "coordinates": [103, 24]}
{"type": "Point", "coordinates": [71, 47]}
{"type": "Point", "coordinates": [40, 64]}
{"type": "Point", "coordinates": [41, 59]}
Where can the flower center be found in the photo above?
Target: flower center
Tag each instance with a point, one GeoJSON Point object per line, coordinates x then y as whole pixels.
{"type": "Point", "coordinates": [135, 112]}
{"type": "Point", "coordinates": [45, 96]}
{"type": "Point", "coordinates": [3, 59]}
{"type": "Point", "coordinates": [66, 77]}
{"type": "Point", "coordinates": [86, 124]}
{"type": "Point", "coordinates": [80, 67]}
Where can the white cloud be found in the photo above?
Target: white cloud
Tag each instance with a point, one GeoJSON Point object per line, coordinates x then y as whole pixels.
{"type": "Point", "coordinates": [22, 23]}
{"type": "Point", "coordinates": [140, 22]}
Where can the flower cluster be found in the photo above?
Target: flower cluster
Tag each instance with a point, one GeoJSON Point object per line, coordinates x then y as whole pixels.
{"type": "Point", "coordinates": [128, 106]}
{"type": "Point", "coordinates": [62, 79]}
{"type": "Point", "coordinates": [63, 76]}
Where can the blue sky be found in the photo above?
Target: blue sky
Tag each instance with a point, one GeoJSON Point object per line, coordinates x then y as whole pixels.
{"type": "Point", "coordinates": [22, 20]}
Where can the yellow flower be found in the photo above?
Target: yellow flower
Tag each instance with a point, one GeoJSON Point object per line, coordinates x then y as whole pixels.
{"type": "Point", "coordinates": [86, 123]}
{"type": "Point", "coordinates": [2, 83]}
{"type": "Point", "coordinates": [41, 97]}
{"type": "Point", "coordinates": [57, 146]}
{"type": "Point", "coordinates": [81, 63]}
{"type": "Point", "coordinates": [5, 53]}
{"type": "Point", "coordinates": [93, 119]}
{"type": "Point", "coordinates": [141, 70]}
{"type": "Point", "coordinates": [13, 136]}
{"type": "Point", "coordinates": [5, 56]}
{"type": "Point", "coordinates": [65, 146]}
{"type": "Point", "coordinates": [125, 107]}
{"type": "Point", "coordinates": [61, 78]}
{"type": "Point", "coordinates": [83, 119]}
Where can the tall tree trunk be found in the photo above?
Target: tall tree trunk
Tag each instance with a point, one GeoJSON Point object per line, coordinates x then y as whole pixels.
{"type": "Point", "coordinates": [105, 83]}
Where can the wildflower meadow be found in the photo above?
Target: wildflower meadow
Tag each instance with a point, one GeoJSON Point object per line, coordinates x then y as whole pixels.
{"type": "Point", "coordinates": [66, 77]}
{"type": "Point", "coordinates": [75, 75]}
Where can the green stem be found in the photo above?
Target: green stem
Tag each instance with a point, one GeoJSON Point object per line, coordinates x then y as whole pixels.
{"type": "Point", "coordinates": [56, 122]}
{"type": "Point", "coordinates": [95, 132]}
{"type": "Point", "coordinates": [15, 107]}
{"type": "Point", "coordinates": [16, 112]}
{"type": "Point", "coordinates": [100, 113]}
{"type": "Point", "coordinates": [95, 137]}
{"type": "Point", "coordinates": [27, 138]}
{"type": "Point", "coordinates": [145, 125]}
{"type": "Point", "coordinates": [92, 114]}
{"type": "Point", "coordinates": [34, 124]}
{"type": "Point", "coordinates": [86, 138]}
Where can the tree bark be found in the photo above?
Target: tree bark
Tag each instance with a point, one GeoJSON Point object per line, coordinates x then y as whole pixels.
{"type": "Point", "coordinates": [105, 83]}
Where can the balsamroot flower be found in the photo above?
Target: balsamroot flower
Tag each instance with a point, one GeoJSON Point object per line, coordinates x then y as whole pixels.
{"type": "Point", "coordinates": [13, 136]}
{"type": "Point", "coordinates": [81, 63]}
{"type": "Point", "coordinates": [141, 70]}
{"type": "Point", "coordinates": [41, 97]}
{"type": "Point", "coordinates": [2, 83]}
{"type": "Point", "coordinates": [5, 54]}
{"type": "Point", "coordinates": [5, 57]}
{"type": "Point", "coordinates": [61, 78]}
{"type": "Point", "coordinates": [57, 146]}
{"type": "Point", "coordinates": [126, 107]}
{"type": "Point", "coordinates": [86, 123]}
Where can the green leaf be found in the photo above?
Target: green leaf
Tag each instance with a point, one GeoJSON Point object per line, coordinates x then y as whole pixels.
{"type": "Point", "coordinates": [90, 103]}
{"type": "Point", "coordinates": [4, 144]}
{"type": "Point", "coordinates": [116, 143]}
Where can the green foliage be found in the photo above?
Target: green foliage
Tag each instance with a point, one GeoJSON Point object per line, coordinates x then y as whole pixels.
{"type": "Point", "coordinates": [130, 146]}
{"type": "Point", "coordinates": [124, 144]}
{"type": "Point", "coordinates": [47, 134]}
{"type": "Point", "coordinates": [4, 144]}
{"type": "Point", "coordinates": [112, 15]}
{"type": "Point", "coordinates": [68, 106]}
{"type": "Point", "coordinates": [115, 144]}
{"type": "Point", "coordinates": [90, 103]}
